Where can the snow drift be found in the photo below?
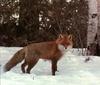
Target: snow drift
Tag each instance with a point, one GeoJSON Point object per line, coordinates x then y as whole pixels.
{"type": "Point", "coordinates": [72, 70]}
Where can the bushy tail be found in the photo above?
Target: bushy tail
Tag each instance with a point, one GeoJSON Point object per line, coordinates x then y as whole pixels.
{"type": "Point", "coordinates": [17, 58]}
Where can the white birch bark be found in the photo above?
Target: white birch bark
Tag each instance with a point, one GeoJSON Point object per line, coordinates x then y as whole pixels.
{"type": "Point", "coordinates": [93, 22]}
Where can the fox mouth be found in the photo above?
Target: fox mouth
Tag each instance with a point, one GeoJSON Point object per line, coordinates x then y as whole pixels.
{"type": "Point", "coordinates": [62, 47]}
{"type": "Point", "coordinates": [69, 47]}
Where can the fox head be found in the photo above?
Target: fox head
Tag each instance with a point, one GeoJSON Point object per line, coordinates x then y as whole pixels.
{"type": "Point", "coordinates": [65, 41]}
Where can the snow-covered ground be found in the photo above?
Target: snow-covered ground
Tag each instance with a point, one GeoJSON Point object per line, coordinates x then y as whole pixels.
{"type": "Point", "coordinates": [72, 70]}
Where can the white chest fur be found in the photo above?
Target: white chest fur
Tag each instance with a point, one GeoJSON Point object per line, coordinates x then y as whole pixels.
{"type": "Point", "coordinates": [62, 48]}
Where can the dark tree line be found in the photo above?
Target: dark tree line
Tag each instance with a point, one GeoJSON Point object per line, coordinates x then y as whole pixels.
{"type": "Point", "coordinates": [26, 21]}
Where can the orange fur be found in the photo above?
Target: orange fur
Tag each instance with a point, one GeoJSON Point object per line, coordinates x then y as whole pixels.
{"type": "Point", "coordinates": [44, 50]}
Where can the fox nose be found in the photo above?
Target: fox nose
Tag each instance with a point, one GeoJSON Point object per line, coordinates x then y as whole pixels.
{"type": "Point", "coordinates": [65, 47]}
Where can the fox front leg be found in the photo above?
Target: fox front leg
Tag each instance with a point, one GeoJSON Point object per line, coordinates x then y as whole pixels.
{"type": "Point", "coordinates": [54, 66]}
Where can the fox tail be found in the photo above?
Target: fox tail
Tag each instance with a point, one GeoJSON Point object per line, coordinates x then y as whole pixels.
{"type": "Point", "coordinates": [17, 58]}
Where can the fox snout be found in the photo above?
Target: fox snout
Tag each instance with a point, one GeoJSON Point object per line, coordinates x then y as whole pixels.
{"type": "Point", "coordinates": [69, 47]}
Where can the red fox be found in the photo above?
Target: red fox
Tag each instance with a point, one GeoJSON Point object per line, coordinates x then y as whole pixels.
{"type": "Point", "coordinates": [51, 50]}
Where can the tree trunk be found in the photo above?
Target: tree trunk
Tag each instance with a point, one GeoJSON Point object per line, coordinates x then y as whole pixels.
{"type": "Point", "coordinates": [93, 36]}
{"type": "Point", "coordinates": [92, 27]}
{"type": "Point", "coordinates": [98, 32]}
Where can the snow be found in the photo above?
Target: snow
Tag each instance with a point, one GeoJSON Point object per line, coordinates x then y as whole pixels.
{"type": "Point", "coordinates": [72, 70]}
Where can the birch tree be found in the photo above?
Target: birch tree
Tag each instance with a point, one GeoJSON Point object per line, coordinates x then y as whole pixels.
{"type": "Point", "coordinates": [93, 36]}
{"type": "Point", "coordinates": [93, 21]}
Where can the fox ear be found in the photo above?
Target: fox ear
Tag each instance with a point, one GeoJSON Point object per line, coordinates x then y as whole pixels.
{"type": "Point", "coordinates": [70, 37]}
{"type": "Point", "coordinates": [61, 36]}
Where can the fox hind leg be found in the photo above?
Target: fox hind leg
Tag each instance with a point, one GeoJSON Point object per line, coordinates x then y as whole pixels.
{"type": "Point", "coordinates": [23, 66]}
{"type": "Point", "coordinates": [31, 64]}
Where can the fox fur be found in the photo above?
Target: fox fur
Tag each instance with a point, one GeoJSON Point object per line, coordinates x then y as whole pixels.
{"type": "Point", "coordinates": [31, 54]}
